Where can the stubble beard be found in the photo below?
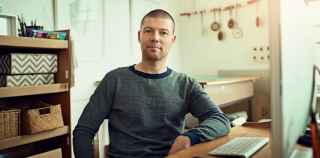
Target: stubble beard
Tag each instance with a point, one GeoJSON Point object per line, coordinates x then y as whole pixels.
{"type": "Point", "coordinates": [154, 56]}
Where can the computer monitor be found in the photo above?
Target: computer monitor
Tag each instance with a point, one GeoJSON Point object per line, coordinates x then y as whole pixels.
{"type": "Point", "coordinates": [292, 60]}
{"type": "Point", "coordinates": [314, 112]}
{"type": "Point", "coordinates": [296, 106]}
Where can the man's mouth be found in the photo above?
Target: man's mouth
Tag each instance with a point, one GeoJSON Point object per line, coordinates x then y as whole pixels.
{"type": "Point", "coordinates": [153, 47]}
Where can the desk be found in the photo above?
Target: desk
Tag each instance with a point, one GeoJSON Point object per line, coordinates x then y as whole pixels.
{"type": "Point", "coordinates": [202, 149]}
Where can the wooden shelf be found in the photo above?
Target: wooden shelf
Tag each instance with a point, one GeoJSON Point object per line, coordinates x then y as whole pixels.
{"type": "Point", "coordinates": [29, 42]}
{"type": "Point", "coordinates": [53, 93]}
{"type": "Point", "coordinates": [26, 139]}
{"type": "Point", "coordinates": [33, 90]}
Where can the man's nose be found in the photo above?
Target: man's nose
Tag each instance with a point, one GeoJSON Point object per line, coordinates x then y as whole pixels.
{"type": "Point", "coordinates": [155, 36]}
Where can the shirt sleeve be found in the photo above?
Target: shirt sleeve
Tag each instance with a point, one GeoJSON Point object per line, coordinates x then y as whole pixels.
{"type": "Point", "coordinates": [213, 122]}
{"type": "Point", "coordinates": [98, 109]}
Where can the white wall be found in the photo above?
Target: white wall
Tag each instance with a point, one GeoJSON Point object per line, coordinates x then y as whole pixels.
{"type": "Point", "coordinates": [40, 10]}
{"type": "Point", "coordinates": [203, 53]}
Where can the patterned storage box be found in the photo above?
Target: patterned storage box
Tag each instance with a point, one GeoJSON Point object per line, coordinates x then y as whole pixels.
{"type": "Point", "coordinates": [22, 63]}
{"type": "Point", "coordinates": [26, 80]}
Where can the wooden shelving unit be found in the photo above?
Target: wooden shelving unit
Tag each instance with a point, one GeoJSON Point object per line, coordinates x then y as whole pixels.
{"type": "Point", "coordinates": [58, 93]}
{"type": "Point", "coordinates": [27, 42]}
{"type": "Point", "coordinates": [26, 139]}
{"type": "Point", "coordinates": [33, 90]}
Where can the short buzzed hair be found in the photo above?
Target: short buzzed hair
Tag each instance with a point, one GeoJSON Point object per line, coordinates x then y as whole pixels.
{"type": "Point", "coordinates": [158, 13]}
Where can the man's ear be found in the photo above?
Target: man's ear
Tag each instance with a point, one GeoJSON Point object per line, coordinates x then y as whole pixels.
{"type": "Point", "coordinates": [139, 36]}
{"type": "Point", "coordinates": [174, 38]}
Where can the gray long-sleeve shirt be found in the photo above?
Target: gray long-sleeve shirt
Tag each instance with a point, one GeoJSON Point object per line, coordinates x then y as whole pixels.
{"type": "Point", "coordinates": [146, 113]}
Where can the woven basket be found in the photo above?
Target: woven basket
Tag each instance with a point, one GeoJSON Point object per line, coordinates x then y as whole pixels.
{"type": "Point", "coordinates": [9, 123]}
{"type": "Point", "coordinates": [42, 119]}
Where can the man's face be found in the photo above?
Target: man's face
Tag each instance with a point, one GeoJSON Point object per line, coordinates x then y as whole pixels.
{"type": "Point", "coordinates": [156, 37]}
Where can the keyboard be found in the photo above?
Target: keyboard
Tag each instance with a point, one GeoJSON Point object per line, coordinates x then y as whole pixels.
{"type": "Point", "coordinates": [240, 147]}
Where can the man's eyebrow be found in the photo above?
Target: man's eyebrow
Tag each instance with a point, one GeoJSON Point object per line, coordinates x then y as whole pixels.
{"type": "Point", "coordinates": [147, 28]}
{"type": "Point", "coordinates": [165, 30]}
{"type": "Point", "coordinates": [162, 29]}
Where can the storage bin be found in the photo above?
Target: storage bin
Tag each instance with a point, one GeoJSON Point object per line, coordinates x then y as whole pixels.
{"type": "Point", "coordinates": [26, 80]}
{"type": "Point", "coordinates": [9, 123]}
{"type": "Point", "coordinates": [42, 119]}
{"type": "Point", "coordinates": [28, 63]}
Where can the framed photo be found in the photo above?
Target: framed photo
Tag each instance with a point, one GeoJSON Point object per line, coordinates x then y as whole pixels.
{"type": "Point", "coordinates": [8, 25]}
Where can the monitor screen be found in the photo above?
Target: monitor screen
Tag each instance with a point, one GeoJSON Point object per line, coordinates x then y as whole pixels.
{"type": "Point", "coordinates": [314, 110]}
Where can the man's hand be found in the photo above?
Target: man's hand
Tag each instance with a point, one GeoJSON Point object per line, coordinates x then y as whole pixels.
{"type": "Point", "coordinates": [181, 142]}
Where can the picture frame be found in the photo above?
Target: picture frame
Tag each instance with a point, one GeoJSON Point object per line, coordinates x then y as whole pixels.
{"type": "Point", "coordinates": [8, 25]}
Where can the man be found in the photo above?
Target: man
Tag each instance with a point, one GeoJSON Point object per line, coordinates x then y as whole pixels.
{"type": "Point", "coordinates": [146, 103]}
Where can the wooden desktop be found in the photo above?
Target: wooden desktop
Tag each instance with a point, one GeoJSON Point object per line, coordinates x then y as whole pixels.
{"type": "Point", "coordinates": [201, 150]}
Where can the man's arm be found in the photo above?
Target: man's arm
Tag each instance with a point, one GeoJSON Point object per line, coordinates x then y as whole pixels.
{"type": "Point", "coordinates": [95, 112]}
{"type": "Point", "coordinates": [213, 122]}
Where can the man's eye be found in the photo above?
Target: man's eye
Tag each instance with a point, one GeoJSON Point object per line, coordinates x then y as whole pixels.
{"type": "Point", "coordinates": [164, 33]}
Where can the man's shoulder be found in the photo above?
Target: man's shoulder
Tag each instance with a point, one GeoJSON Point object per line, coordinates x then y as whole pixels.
{"type": "Point", "coordinates": [115, 73]}
{"type": "Point", "coordinates": [119, 70]}
{"type": "Point", "coordinates": [183, 76]}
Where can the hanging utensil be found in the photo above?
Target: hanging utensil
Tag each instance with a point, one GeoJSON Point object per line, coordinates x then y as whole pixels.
{"type": "Point", "coordinates": [220, 36]}
{"type": "Point", "coordinates": [231, 22]}
{"type": "Point", "coordinates": [220, 33]}
{"type": "Point", "coordinates": [215, 26]}
{"type": "Point", "coordinates": [237, 31]}
{"type": "Point", "coordinates": [203, 29]}
{"type": "Point", "coordinates": [258, 18]}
